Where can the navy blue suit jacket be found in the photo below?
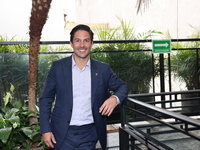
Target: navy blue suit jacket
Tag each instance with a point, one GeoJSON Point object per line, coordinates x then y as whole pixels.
{"type": "Point", "coordinates": [58, 88]}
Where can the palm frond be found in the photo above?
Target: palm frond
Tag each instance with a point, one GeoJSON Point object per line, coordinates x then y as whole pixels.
{"type": "Point", "coordinates": [142, 3]}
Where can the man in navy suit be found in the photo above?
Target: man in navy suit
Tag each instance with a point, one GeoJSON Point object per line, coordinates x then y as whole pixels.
{"type": "Point", "coordinates": [78, 87]}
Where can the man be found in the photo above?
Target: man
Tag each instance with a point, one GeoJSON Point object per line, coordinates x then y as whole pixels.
{"type": "Point", "coordinates": [79, 85]}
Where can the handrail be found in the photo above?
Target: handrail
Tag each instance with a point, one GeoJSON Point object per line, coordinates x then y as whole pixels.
{"type": "Point", "coordinates": [177, 116]}
{"type": "Point", "coordinates": [132, 131]}
{"type": "Point", "coordinates": [103, 41]}
{"type": "Point", "coordinates": [164, 93]}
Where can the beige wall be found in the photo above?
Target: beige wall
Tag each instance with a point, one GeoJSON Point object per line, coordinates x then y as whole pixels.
{"type": "Point", "coordinates": [162, 15]}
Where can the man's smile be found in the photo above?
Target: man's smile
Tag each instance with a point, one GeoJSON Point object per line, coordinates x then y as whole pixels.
{"type": "Point", "coordinates": [82, 50]}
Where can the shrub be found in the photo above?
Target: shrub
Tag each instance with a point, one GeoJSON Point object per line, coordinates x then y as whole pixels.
{"type": "Point", "coordinates": [15, 131]}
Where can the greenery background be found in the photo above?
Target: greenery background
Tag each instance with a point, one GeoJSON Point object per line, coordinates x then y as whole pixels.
{"type": "Point", "coordinates": [128, 60]}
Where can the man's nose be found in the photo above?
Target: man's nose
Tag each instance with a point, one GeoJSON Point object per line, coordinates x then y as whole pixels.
{"type": "Point", "coordinates": [82, 44]}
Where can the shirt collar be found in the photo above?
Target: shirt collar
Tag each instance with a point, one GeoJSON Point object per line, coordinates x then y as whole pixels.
{"type": "Point", "coordinates": [74, 63]}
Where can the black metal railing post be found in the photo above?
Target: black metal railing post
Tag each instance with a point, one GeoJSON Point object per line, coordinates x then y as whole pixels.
{"type": "Point", "coordinates": [123, 139]}
{"type": "Point", "coordinates": [198, 68]}
{"type": "Point", "coordinates": [162, 78]}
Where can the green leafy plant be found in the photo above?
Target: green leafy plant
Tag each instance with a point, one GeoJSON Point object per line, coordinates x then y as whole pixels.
{"type": "Point", "coordinates": [132, 67]}
{"type": "Point", "coordinates": [15, 131]}
{"type": "Point", "coordinates": [184, 62]}
{"type": "Point", "coordinates": [14, 67]}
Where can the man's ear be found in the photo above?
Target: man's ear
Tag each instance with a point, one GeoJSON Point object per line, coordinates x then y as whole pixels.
{"type": "Point", "coordinates": [71, 44]}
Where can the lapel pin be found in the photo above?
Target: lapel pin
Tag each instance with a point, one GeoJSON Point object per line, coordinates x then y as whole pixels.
{"type": "Point", "coordinates": [96, 74]}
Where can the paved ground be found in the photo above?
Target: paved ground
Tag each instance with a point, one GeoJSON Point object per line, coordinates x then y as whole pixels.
{"type": "Point", "coordinates": [171, 140]}
{"type": "Point", "coordinates": [112, 137]}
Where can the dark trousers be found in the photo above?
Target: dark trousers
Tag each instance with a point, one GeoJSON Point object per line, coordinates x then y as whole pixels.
{"type": "Point", "coordinates": [80, 138]}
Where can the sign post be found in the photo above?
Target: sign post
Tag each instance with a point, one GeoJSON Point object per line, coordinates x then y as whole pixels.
{"type": "Point", "coordinates": [161, 46]}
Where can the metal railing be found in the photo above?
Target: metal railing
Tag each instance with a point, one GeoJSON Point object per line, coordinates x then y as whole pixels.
{"type": "Point", "coordinates": [145, 125]}
{"type": "Point", "coordinates": [162, 70]}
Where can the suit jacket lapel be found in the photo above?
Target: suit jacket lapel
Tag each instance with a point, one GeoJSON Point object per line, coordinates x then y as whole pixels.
{"type": "Point", "coordinates": [67, 70]}
{"type": "Point", "coordinates": [94, 79]}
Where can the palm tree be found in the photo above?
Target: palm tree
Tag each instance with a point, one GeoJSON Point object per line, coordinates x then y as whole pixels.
{"type": "Point", "coordinates": [39, 13]}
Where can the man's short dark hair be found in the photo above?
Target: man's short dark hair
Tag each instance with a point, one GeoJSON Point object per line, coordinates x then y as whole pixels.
{"type": "Point", "coordinates": [81, 27]}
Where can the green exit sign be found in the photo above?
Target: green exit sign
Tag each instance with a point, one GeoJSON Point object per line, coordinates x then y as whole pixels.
{"type": "Point", "coordinates": [161, 46]}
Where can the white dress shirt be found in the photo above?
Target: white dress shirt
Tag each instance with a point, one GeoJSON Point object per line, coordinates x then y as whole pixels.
{"type": "Point", "coordinates": [82, 109]}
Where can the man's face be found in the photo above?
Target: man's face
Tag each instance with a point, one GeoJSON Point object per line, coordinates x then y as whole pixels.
{"type": "Point", "coordinates": [81, 44]}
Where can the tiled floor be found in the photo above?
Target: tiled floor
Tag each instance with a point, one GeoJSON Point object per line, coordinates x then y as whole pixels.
{"type": "Point", "coordinates": [112, 138]}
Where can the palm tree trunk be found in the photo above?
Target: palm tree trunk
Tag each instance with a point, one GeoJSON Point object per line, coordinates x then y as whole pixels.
{"type": "Point", "coordinates": [39, 13]}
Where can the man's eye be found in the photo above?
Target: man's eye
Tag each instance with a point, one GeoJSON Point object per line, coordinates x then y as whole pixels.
{"type": "Point", "coordinates": [76, 40]}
